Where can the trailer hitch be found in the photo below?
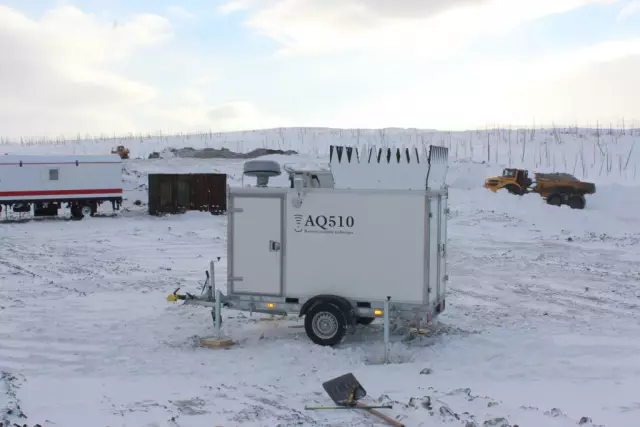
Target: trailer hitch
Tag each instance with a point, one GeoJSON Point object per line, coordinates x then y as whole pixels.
{"type": "Point", "coordinates": [174, 296]}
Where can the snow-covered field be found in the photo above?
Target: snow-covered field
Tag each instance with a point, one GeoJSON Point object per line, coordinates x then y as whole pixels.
{"type": "Point", "coordinates": [542, 326]}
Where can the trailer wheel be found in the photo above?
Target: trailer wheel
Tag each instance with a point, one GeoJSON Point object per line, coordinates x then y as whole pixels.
{"type": "Point", "coordinates": [86, 210]}
{"type": "Point", "coordinates": [325, 324]}
{"type": "Point", "coordinates": [80, 211]}
{"type": "Point", "coordinates": [577, 202]}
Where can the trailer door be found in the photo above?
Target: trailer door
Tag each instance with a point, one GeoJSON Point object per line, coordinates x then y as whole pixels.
{"type": "Point", "coordinates": [255, 245]}
{"type": "Point", "coordinates": [444, 277]}
{"type": "Point", "coordinates": [433, 250]}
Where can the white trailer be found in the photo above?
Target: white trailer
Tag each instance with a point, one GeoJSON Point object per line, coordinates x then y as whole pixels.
{"type": "Point", "coordinates": [48, 182]}
{"type": "Point", "coordinates": [336, 253]}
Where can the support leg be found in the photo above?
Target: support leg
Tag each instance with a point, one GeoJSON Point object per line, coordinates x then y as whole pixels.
{"type": "Point", "coordinates": [386, 329]}
{"type": "Point", "coordinates": [218, 309]}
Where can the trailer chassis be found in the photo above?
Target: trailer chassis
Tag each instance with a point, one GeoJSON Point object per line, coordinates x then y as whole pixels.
{"type": "Point", "coordinates": [327, 317]}
{"type": "Point", "coordinates": [80, 208]}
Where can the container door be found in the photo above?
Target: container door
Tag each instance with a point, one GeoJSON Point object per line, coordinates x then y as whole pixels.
{"type": "Point", "coordinates": [434, 248]}
{"type": "Point", "coordinates": [166, 195]}
{"type": "Point", "coordinates": [182, 196]}
{"type": "Point", "coordinates": [198, 192]}
{"type": "Point", "coordinates": [255, 245]}
{"type": "Point", "coordinates": [217, 193]}
{"type": "Point", "coordinates": [443, 249]}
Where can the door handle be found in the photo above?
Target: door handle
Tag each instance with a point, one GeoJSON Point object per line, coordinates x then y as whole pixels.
{"type": "Point", "coordinates": [274, 246]}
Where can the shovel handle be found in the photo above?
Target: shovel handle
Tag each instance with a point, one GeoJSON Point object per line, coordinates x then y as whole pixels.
{"type": "Point", "coordinates": [389, 420]}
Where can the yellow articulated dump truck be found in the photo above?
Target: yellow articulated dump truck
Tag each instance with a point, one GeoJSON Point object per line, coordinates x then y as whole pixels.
{"type": "Point", "coordinates": [121, 151]}
{"type": "Point", "coordinates": [556, 188]}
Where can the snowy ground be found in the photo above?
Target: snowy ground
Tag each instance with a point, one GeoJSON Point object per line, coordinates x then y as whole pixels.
{"type": "Point", "coordinates": [541, 327]}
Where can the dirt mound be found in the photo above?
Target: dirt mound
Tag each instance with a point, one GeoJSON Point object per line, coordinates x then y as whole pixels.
{"type": "Point", "coordinates": [214, 153]}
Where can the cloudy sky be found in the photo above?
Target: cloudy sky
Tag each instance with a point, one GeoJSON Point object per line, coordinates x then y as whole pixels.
{"type": "Point", "coordinates": [119, 66]}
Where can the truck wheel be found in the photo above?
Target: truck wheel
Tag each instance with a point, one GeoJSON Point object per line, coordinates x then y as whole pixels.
{"type": "Point", "coordinates": [86, 210]}
{"type": "Point", "coordinates": [513, 189]}
{"type": "Point", "coordinates": [555, 200]}
{"type": "Point", "coordinates": [325, 324]}
{"type": "Point", "coordinates": [577, 202]}
{"type": "Point", "coordinates": [366, 320]}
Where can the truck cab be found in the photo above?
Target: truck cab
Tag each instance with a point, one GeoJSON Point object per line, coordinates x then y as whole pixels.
{"type": "Point", "coordinates": [515, 181]}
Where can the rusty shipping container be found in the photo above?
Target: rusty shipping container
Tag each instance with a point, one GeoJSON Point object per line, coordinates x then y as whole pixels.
{"type": "Point", "coordinates": [177, 193]}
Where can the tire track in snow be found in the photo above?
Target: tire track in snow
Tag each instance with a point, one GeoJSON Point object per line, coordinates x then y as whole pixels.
{"type": "Point", "coordinates": [33, 353]}
{"type": "Point", "coordinates": [542, 278]}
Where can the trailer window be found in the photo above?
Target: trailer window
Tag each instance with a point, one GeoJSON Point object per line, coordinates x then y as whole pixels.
{"type": "Point", "coordinates": [53, 174]}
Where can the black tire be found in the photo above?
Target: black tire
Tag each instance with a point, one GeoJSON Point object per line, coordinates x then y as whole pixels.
{"type": "Point", "coordinates": [76, 213]}
{"type": "Point", "coordinates": [513, 189]}
{"type": "Point", "coordinates": [86, 210]}
{"type": "Point", "coordinates": [325, 324]}
{"type": "Point", "coordinates": [577, 202]}
{"type": "Point", "coordinates": [555, 200]}
{"type": "Point", "coordinates": [365, 320]}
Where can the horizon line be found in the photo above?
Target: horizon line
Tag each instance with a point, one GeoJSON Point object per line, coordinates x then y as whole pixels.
{"type": "Point", "coordinates": [621, 125]}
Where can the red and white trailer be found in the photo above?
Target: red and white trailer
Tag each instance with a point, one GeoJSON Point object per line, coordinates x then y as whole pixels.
{"type": "Point", "coordinates": [46, 183]}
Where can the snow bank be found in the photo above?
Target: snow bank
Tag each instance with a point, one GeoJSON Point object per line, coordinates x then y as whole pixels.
{"type": "Point", "coordinates": [465, 175]}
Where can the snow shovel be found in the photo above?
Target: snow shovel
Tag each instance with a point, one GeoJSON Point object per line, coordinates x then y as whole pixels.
{"type": "Point", "coordinates": [345, 391]}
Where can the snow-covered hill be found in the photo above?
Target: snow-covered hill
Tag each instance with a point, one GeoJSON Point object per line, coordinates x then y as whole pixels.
{"type": "Point", "coordinates": [601, 155]}
{"type": "Point", "coordinates": [541, 326]}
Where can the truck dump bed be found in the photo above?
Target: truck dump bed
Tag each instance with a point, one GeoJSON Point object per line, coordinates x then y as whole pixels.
{"type": "Point", "coordinates": [564, 180]}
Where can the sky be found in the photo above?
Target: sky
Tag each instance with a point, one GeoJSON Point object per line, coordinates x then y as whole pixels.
{"type": "Point", "coordinates": [92, 67]}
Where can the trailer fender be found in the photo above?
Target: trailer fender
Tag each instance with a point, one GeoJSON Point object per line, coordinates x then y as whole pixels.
{"type": "Point", "coordinates": [341, 302]}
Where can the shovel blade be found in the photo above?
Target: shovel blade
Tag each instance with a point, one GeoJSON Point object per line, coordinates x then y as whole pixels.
{"type": "Point", "coordinates": [339, 389]}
